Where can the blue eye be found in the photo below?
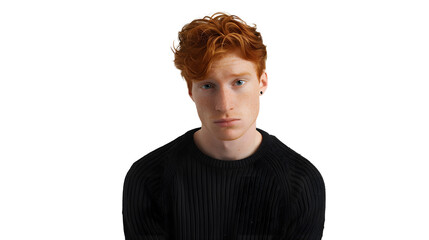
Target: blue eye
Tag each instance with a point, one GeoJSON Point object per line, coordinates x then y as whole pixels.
{"type": "Point", "coordinates": [240, 82]}
{"type": "Point", "coordinates": [207, 86]}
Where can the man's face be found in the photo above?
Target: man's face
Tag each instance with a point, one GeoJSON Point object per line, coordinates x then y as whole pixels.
{"type": "Point", "coordinates": [227, 100]}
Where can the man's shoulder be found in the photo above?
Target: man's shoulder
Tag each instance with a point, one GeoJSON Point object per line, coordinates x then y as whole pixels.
{"type": "Point", "coordinates": [291, 161]}
{"type": "Point", "coordinates": [155, 160]}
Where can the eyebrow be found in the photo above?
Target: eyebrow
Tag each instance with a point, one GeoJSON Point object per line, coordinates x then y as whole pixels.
{"type": "Point", "coordinates": [241, 74]}
{"type": "Point", "coordinates": [233, 75]}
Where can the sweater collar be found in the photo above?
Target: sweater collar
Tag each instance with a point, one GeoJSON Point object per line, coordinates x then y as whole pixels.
{"type": "Point", "coordinates": [258, 154]}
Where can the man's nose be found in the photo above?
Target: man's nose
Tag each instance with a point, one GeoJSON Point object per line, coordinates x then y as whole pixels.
{"type": "Point", "coordinates": [224, 100]}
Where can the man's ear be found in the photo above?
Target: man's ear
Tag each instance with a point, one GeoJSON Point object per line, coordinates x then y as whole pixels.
{"type": "Point", "coordinates": [263, 82]}
{"type": "Point", "coordinates": [190, 91]}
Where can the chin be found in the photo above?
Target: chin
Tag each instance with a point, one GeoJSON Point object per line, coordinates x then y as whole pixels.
{"type": "Point", "coordinates": [228, 134]}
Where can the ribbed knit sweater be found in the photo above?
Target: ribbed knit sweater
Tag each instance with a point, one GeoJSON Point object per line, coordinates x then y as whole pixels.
{"type": "Point", "coordinates": [178, 192]}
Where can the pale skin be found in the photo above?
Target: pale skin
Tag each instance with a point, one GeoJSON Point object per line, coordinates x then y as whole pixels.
{"type": "Point", "coordinates": [227, 102]}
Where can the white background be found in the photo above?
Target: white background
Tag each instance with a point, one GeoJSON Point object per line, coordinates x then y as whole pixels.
{"type": "Point", "coordinates": [88, 87]}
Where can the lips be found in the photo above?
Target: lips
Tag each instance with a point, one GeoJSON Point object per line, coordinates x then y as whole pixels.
{"type": "Point", "coordinates": [226, 122]}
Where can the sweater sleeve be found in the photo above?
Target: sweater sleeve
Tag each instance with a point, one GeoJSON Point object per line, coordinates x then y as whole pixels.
{"type": "Point", "coordinates": [142, 215]}
{"type": "Point", "coordinates": [309, 220]}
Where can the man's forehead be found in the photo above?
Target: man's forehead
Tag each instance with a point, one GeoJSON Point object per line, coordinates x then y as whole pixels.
{"type": "Point", "coordinates": [232, 67]}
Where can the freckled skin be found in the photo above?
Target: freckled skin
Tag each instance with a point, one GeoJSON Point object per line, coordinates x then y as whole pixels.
{"type": "Point", "coordinates": [230, 90]}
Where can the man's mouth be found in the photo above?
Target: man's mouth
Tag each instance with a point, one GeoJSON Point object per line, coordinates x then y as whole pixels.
{"type": "Point", "coordinates": [226, 122]}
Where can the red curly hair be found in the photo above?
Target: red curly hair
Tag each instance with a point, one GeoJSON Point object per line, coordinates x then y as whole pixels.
{"type": "Point", "coordinates": [203, 40]}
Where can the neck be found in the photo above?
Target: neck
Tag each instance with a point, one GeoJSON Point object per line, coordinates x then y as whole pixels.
{"type": "Point", "coordinates": [236, 149]}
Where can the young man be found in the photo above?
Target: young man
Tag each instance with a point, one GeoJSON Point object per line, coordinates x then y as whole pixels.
{"type": "Point", "coordinates": [227, 179]}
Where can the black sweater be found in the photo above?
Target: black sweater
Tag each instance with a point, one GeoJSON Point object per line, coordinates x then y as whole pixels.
{"type": "Point", "coordinates": [177, 192]}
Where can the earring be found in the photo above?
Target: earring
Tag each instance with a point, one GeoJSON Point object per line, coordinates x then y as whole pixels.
{"type": "Point", "coordinates": [261, 92]}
